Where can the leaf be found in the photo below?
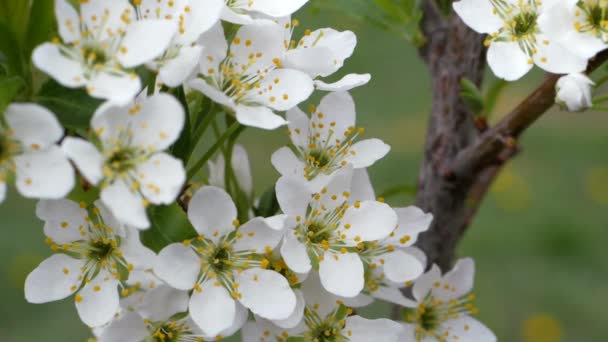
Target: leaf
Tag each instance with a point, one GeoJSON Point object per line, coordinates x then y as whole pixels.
{"type": "Point", "coordinates": [15, 15]}
{"type": "Point", "coordinates": [41, 25]}
{"type": "Point", "coordinates": [73, 107]}
{"type": "Point", "coordinates": [169, 224]}
{"type": "Point", "coordinates": [268, 204]}
{"type": "Point", "coordinates": [471, 96]}
{"type": "Point", "coordinates": [9, 88]}
{"type": "Point", "coordinates": [9, 47]}
{"type": "Point", "coordinates": [492, 95]}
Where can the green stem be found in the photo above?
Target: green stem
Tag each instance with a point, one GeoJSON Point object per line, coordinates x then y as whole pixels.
{"type": "Point", "coordinates": [600, 108]}
{"type": "Point", "coordinates": [600, 99]}
{"type": "Point", "coordinates": [218, 144]}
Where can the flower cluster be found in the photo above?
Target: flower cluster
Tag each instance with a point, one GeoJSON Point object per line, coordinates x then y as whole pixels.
{"type": "Point", "coordinates": [560, 37]}
{"type": "Point", "coordinates": [293, 263]}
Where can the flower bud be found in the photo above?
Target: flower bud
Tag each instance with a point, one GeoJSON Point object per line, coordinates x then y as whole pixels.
{"type": "Point", "coordinates": [574, 92]}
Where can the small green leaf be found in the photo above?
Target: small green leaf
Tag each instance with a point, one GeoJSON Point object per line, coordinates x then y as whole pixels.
{"type": "Point", "coordinates": [73, 107]}
{"type": "Point", "coordinates": [9, 88]}
{"type": "Point", "coordinates": [341, 313]}
{"type": "Point", "coordinates": [41, 25]}
{"type": "Point", "coordinates": [268, 205]}
{"type": "Point", "coordinates": [169, 224]}
{"type": "Point", "coordinates": [471, 96]}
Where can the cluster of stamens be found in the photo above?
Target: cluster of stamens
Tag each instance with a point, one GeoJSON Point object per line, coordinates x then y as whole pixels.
{"type": "Point", "coordinates": [172, 331]}
{"type": "Point", "coordinates": [326, 329]}
{"type": "Point", "coordinates": [593, 15]}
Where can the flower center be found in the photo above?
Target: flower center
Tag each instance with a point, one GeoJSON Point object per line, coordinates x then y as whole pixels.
{"type": "Point", "coordinates": [101, 250]}
{"type": "Point", "coordinates": [121, 160]}
{"type": "Point", "coordinates": [221, 260]}
{"type": "Point", "coordinates": [318, 232]}
{"type": "Point", "coordinates": [525, 23]}
{"type": "Point", "coordinates": [326, 332]}
{"type": "Point", "coordinates": [94, 55]}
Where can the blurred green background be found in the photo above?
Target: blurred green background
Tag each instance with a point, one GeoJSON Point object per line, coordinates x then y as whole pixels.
{"type": "Point", "coordinates": [539, 240]}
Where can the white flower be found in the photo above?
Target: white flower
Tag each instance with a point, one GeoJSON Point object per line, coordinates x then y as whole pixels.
{"type": "Point", "coordinates": [247, 11]}
{"type": "Point", "coordinates": [579, 25]}
{"type": "Point", "coordinates": [326, 231]}
{"type": "Point", "coordinates": [94, 251]}
{"type": "Point", "coordinates": [192, 17]}
{"type": "Point", "coordinates": [574, 92]}
{"type": "Point", "coordinates": [129, 163]}
{"type": "Point", "coordinates": [325, 142]}
{"type": "Point", "coordinates": [516, 41]}
{"type": "Point", "coordinates": [240, 166]}
{"type": "Point", "coordinates": [248, 78]}
{"type": "Point", "coordinates": [443, 309]}
{"type": "Point", "coordinates": [101, 46]}
{"type": "Point", "coordinates": [161, 317]}
{"type": "Point", "coordinates": [28, 148]}
{"type": "Point", "coordinates": [223, 265]}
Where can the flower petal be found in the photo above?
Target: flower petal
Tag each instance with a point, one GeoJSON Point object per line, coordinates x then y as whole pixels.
{"type": "Point", "coordinates": [293, 196]}
{"type": "Point", "coordinates": [137, 48]}
{"type": "Point", "coordinates": [107, 17]}
{"type": "Point", "coordinates": [212, 212]}
{"type": "Point", "coordinates": [134, 252]}
{"type": "Point", "coordinates": [298, 126]}
{"type": "Point", "coordinates": [63, 218]}
{"type": "Point", "coordinates": [162, 302]}
{"type": "Point", "coordinates": [129, 328]}
{"type": "Point", "coordinates": [346, 83]}
{"type": "Point", "coordinates": [314, 61]}
{"type": "Point", "coordinates": [426, 282]}
{"type": "Point", "coordinates": [284, 89]}
{"type": "Point", "coordinates": [215, 49]}
{"type": "Point", "coordinates": [159, 122]}
{"type": "Point", "coordinates": [46, 174]}
{"type": "Point", "coordinates": [557, 59]}
{"type": "Point", "coordinates": [394, 296]}
{"type": "Point", "coordinates": [213, 93]}
{"type": "Point", "coordinates": [55, 278]}
{"type": "Point", "coordinates": [213, 309]}
{"type": "Point", "coordinates": [2, 191]}
{"type": "Point", "coordinates": [201, 16]}
{"type": "Point", "coordinates": [175, 71]}
{"type": "Point", "coordinates": [479, 15]}
{"type": "Point", "coordinates": [119, 89]}
{"type": "Point", "coordinates": [296, 316]}
{"type": "Point", "coordinates": [126, 205]}
{"type": "Point", "coordinates": [360, 329]}
{"type": "Point", "coordinates": [64, 70]}
{"type": "Point", "coordinates": [459, 280]}
{"type": "Point", "coordinates": [257, 236]}
{"type": "Point", "coordinates": [400, 266]}
{"type": "Point", "coordinates": [98, 301]}
{"type": "Point", "coordinates": [162, 178]}
{"type": "Point", "coordinates": [338, 112]}
{"type": "Point", "coordinates": [287, 164]}
{"type": "Point", "coordinates": [469, 329]}
{"type": "Point", "coordinates": [371, 221]}
{"type": "Point", "coordinates": [178, 265]}
{"type": "Point", "coordinates": [341, 45]}
{"type": "Point", "coordinates": [33, 125]}
{"type": "Point", "coordinates": [67, 21]}
{"type": "Point", "coordinates": [266, 293]}
{"type": "Point", "coordinates": [276, 8]}
{"type": "Point", "coordinates": [295, 255]}
{"type": "Point", "coordinates": [508, 61]}
{"type": "Point", "coordinates": [411, 222]}
{"type": "Point", "coordinates": [86, 157]}
{"type": "Point", "coordinates": [342, 274]}
{"type": "Point", "coordinates": [366, 152]}
{"type": "Point", "coordinates": [265, 37]}
{"type": "Point", "coordinates": [258, 116]}
{"type": "Point", "coordinates": [362, 188]}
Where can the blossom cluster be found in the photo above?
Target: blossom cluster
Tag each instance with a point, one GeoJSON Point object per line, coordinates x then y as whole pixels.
{"type": "Point", "coordinates": [293, 273]}
{"type": "Point", "coordinates": [558, 36]}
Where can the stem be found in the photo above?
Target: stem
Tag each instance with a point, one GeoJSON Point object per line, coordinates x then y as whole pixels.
{"type": "Point", "coordinates": [218, 144]}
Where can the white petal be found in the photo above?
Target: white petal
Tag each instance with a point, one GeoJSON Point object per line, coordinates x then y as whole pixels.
{"type": "Point", "coordinates": [67, 21]}
{"type": "Point", "coordinates": [394, 296]}
{"type": "Point", "coordinates": [400, 266]}
{"type": "Point", "coordinates": [200, 18]}
{"type": "Point", "coordinates": [342, 274]}
{"type": "Point", "coordinates": [46, 174]}
{"type": "Point", "coordinates": [293, 196]}
{"type": "Point", "coordinates": [469, 329]}
{"type": "Point", "coordinates": [175, 71]}
{"type": "Point", "coordinates": [287, 163]}
{"type": "Point", "coordinates": [98, 301]}
{"type": "Point", "coordinates": [346, 83]}
{"type": "Point", "coordinates": [212, 212]}
{"type": "Point", "coordinates": [295, 255]}
{"type": "Point", "coordinates": [359, 329]}
{"type": "Point", "coordinates": [162, 302]}
{"type": "Point", "coordinates": [178, 265]}
{"type": "Point", "coordinates": [459, 280]}
{"type": "Point", "coordinates": [367, 152]}
{"type": "Point", "coordinates": [106, 16]}
{"type": "Point", "coordinates": [262, 37]}
{"type": "Point", "coordinates": [213, 309]}
{"type": "Point", "coordinates": [411, 222]}
{"type": "Point", "coordinates": [266, 293]}
{"type": "Point", "coordinates": [275, 8]}
{"type": "Point", "coordinates": [337, 108]}
{"type": "Point", "coordinates": [508, 61]}
{"type": "Point", "coordinates": [341, 45]}
{"type": "Point", "coordinates": [362, 188]}
{"type": "Point", "coordinates": [214, 94]}
{"type": "Point", "coordinates": [144, 41]}
{"type": "Point", "coordinates": [161, 177]}
{"type": "Point", "coordinates": [241, 316]}
{"type": "Point", "coordinates": [292, 87]}
{"type": "Point", "coordinates": [258, 116]}
{"type": "Point", "coordinates": [54, 279]}
{"type": "Point", "coordinates": [277, 222]}
{"type": "Point", "coordinates": [296, 316]}
{"type": "Point", "coordinates": [371, 221]}
{"type": "Point", "coordinates": [257, 236]}
{"type": "Point", "coordinates": [63, 220]}
{"type": "Point", "coordinates": [242, 169]}
{"type": "Point", "coordinates": [86, 157]}
{"type": "Point", "coordinates": [318, 299]}
{"type": "Point", "coordinates": [126, 205]}
{"type": "Point", "coordinates": [313, 61]}
{"type": "Point", "coordinates": [117, 89]}
{"type": "Point", "coordinates": [338, 185]}
{"type": "Point", "coordinates": [232, 17]}
{"type": "Point", "coordinates": [479, 15]}
{"type": "Point", "coordinates": [134, 252]}
{"type": "Point", "coordinates": [557, 59]}
{"type": "Point", "coordinates": [253, 332]}
{"type": "Point", "coordinates": [159, 122]}
{"type": "Point", "coordinates": [215, 49]}
{"type": "Point", "coordinates": [64, 70]}
{"type": "Point", "coordinates": [129, 328]}
{"type": "Point", "coordinates": [426, 282]}
{"type": "Point", "coordinates": [298, 126]}
{"type": "Point", "coordinates": [33, 125]}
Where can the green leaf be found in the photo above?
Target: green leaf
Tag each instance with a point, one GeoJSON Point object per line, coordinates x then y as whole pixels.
{"type": "Point", "coordinates": [268, 204]}
{"type": "Point", "coordinates": [73, 107]}
{"type": "Point", "coordinates": [15, 15]}
{"type": "Point", "coordinates": [169, 224]}
{"type": "Point", "coordinates": [471, 96]}
{"type": "Point", "coordinates": [492, 95]}
{"type": "Point", "coordinates": [41, 25]}
{"type": "Point", "coordinates": [9, 88]}
{"type": "Point", "coordinates": [296, 339]}
{"type": "Point", "coordinates": [405, 189]}
{"type": "Point", "coordinates": [11, 52]}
